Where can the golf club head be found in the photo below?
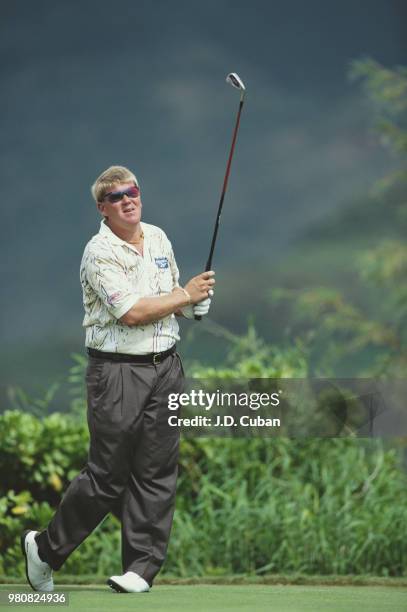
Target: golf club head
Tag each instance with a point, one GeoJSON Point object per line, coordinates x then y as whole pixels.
{"type": "Point", "coordinates": [234, 79]}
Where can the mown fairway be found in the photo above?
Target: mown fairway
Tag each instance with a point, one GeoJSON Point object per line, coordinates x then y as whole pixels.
{"type": "Point", "coordinates": [218, 598]}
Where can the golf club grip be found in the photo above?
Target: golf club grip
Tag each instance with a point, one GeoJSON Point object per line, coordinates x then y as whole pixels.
{"type": "Point", "coordinates": [207, 268]}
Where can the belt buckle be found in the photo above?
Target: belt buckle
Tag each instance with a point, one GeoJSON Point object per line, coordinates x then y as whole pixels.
{"type": "Point", "coordinates": [156, 358]}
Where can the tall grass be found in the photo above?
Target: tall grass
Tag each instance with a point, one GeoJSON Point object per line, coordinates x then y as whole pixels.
{"type": "Point", "coordinates": [333, 506]}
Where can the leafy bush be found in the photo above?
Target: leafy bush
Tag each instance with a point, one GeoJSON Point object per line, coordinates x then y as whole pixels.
{"type": "Point", "coordinates": [252, 505]}
{"type": "Point", "coordinates": [40, 455]}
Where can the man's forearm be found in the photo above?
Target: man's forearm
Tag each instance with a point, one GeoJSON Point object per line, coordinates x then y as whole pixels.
{"type": "Point", "coordinates": [149, 309]}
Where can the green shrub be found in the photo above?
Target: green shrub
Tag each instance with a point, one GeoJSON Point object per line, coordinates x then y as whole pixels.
{"type": "Point", "coordinates": [40, 455]}
{"type": "Point", "coordinates": [243, 505]}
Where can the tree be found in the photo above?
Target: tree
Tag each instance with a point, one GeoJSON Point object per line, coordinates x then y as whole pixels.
{"type": "Point", "coordinates": [333, 330]}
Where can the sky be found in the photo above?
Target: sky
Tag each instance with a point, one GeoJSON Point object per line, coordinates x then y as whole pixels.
{"type": "Point", "coordinates": [142, 83]}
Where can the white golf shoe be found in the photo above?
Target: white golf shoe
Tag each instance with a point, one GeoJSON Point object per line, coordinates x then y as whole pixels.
{"type": "Point", "coordinates": [39, 573]}
{"type": "Point", "coordinates": [130, 582]}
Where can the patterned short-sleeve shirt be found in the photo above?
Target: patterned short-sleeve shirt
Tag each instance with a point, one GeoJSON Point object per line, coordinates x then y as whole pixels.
{"type": "Point", "coordinates": [113, 277]}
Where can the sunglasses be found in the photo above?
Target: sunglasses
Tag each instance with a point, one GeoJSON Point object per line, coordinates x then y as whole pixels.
{"type": "Point", "coordinates": [116, 196]}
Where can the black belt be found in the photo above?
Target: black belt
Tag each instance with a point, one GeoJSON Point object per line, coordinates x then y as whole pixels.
{"type": "Point", "coordinates": [153, 358]}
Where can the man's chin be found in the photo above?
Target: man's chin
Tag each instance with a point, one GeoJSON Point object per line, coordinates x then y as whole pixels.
{"type": "Point", "coordinates": [131, 220]}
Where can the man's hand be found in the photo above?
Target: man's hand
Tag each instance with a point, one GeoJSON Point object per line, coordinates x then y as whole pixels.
{"type": "Point", "coordinates": [199, 286]}
{"type": "Point", "coordinates": [149, 309]}
{"type": "Point", "coordinates": [201, 309]}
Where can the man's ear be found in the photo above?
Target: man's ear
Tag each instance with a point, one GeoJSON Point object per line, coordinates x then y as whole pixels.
{"type": "Point", "coordinates": [101, 208]}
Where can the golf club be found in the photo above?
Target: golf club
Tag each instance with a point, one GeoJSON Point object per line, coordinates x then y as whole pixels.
{"type": "Point", "coordinates": [234, 80]}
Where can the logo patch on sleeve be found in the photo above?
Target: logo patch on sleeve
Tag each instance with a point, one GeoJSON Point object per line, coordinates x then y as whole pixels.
{"type": "Point", "coordinates": [161, 262]}
{"type": "Point", "coordinates": [114, 298]}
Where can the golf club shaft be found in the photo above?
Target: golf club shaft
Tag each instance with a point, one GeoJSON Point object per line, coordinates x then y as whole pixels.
{"type": "Point", "coordinates": [222, 197]}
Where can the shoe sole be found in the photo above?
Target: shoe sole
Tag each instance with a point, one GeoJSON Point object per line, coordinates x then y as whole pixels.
{"type": "Point", "coordinates": [116, 587]}
{"type": "Point", "coordinates": [22, 540]}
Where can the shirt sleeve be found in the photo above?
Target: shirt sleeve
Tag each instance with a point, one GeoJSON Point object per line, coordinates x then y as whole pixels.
{"type": "Point", "coordinates": [109, 281]}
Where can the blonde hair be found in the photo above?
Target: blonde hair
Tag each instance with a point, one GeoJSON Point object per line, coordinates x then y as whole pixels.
{"type": "Point", "coordinates": [110, 177]}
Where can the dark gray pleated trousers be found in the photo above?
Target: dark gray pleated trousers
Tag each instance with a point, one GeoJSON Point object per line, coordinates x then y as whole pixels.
{"type": "Point", "coordinates": [131, 469]}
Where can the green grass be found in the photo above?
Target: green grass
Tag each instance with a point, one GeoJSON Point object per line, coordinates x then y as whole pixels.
{"type": "Point", "coordinates": [293, 578]}
{"type": "Point", "coordinates": [218, 598]}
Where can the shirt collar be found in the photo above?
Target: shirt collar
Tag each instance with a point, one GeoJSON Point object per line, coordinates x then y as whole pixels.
{"type": "Point", "coordinates": [107, 233]}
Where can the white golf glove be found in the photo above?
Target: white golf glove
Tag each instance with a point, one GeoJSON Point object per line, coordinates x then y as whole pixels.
{"type": "Point", "coordinates": [201, 309]}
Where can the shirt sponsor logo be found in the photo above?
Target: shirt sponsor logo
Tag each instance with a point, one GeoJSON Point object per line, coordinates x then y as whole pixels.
{"type": "Point", "coordinates": [161, 262]}
{"type": "Point", "coordinates": [114, 297]}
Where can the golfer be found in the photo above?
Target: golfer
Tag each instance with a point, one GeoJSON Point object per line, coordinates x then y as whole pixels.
{"type": "Point", "coordinates": [131, 295]}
